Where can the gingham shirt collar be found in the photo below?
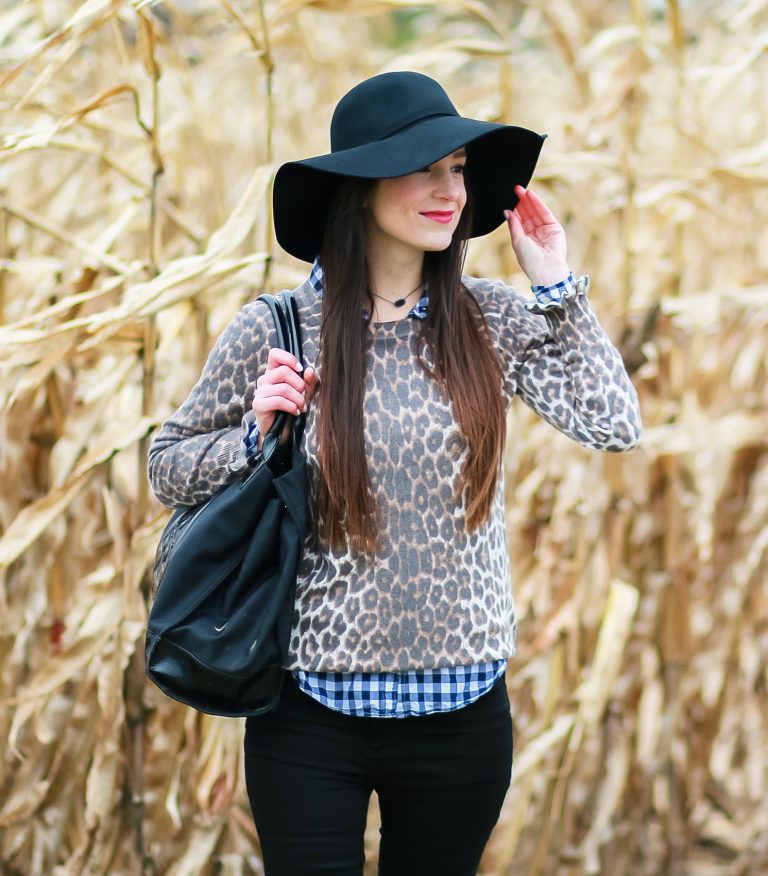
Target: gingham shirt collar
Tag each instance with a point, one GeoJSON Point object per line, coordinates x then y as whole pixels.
{"type": "Point", "coordinates": [418, 311]}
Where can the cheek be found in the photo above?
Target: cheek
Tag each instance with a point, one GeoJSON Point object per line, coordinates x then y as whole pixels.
{"type": "Point", "coordinates": [404, 194]}
{"type": "Point", "coordinates": [388, 202]}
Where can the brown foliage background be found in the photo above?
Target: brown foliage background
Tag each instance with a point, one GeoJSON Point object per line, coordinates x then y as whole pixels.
{"type": "Point", "coordinates": [138, 145]}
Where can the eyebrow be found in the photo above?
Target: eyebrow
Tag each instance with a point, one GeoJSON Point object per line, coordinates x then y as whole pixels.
{"type": "Point", "coordinates": [460, 153]}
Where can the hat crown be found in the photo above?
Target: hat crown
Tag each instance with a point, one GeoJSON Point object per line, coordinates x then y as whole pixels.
{"type": "Point", "coordinates": [384, 104]}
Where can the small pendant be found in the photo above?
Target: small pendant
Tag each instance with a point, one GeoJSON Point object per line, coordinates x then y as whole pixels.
{"type": "Point", "coordinates": [399, 303]}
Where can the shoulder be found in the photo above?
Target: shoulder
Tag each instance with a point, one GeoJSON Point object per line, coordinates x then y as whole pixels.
{"type": "Point", "coordinates": [253, 317]}
{"type": "Point", "coordinates": [253, 324]}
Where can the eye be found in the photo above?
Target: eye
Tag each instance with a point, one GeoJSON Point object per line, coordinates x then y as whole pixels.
{"type": "Point", "coordinates": [459, 168]}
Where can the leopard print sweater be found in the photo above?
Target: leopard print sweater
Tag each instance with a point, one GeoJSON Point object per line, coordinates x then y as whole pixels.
{"type": "Point", "coordinates": [433, 594]}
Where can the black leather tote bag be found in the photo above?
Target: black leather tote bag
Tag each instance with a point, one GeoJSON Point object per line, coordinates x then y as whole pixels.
{"type": "Point", "coordinates": [219, 626]}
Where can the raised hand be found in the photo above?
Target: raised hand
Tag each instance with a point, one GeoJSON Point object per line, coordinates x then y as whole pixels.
{"type": "Point", "coordinates": [538, 239]}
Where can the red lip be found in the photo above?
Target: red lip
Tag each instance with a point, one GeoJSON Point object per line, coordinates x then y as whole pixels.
{"type": "Point", "coordinates": [442, 216]}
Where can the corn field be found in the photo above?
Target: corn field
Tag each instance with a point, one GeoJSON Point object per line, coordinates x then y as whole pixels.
{"type": "Point", "coordinates": [138, 144]}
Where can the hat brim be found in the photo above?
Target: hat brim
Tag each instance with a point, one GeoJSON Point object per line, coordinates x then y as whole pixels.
{"type": "Point", "coordinates": [499, 157]}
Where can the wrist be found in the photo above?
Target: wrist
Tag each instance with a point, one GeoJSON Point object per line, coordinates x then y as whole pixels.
{"type": "Point", "coordinates": [550, 276]}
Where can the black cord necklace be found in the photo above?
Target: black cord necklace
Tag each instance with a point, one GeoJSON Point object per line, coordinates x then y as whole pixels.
{"type": "Point", "coordinates": [398, 302]}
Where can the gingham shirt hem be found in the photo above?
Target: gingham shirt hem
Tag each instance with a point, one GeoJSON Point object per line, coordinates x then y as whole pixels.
{"type": "Point", "coordinates": [408, 694]}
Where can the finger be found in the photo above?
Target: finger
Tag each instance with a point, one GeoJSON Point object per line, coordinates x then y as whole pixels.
{"type": "Point", "coordinates": [284, 399]}
{"type": "Point", "coordinates": [532, 220]}
{"type": "Point", "coordinates": [538, 209]}
{"type": "Point", "coordinates": [520, 192]}
{"type": "Point", "coordinates": [515, 226]}
{"type": "Point", "coordinates": [531, 205]}
{"type": "Point", "coordinates": [523, 210]}
{"type": "Point", "coordinates": [526, 208]}
{"type": "Point", "coordinates": [281, 374]}
{"type": "Point", "coordinates": [522, 195]}
{"type": "Point", "coordinates": [283, 390]}
{"type": "Point", "coordinates": [310, 382]}
{"type": "Point", "coordinates": [282, 357]}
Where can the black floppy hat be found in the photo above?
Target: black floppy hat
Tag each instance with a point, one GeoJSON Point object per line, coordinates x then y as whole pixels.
{"type": "Point", "coordinates": [390, 125]}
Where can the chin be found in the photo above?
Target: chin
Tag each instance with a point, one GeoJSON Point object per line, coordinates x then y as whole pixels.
{"type": "Point", "coordinates": [437, 242]}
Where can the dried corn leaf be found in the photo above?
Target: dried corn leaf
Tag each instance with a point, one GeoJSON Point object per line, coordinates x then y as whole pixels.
{"type": "Point", "coordinates": [593, 694]}
{"type": "Point", "coordinates": [33, 520]}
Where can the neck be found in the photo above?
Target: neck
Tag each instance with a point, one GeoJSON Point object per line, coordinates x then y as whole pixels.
{"type": "Point", "coordinates": [394, 274]}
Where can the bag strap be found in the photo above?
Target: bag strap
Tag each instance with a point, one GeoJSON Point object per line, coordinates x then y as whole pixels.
{"type": "Point", "coordinates": [286, 318]}
{"type": "Point", "coordinates": [292, 336]}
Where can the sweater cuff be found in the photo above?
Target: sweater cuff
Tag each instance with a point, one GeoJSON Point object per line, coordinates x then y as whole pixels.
{"type": "Point", "coordinates": [227, 451]}
{"type": "Point", "coordinates": [245, 448]}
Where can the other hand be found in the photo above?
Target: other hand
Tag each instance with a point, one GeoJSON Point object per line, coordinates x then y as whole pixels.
{"type": "Point", "coordinates": [282, 388]}
{"type": "Point", "coordinates": [538, 239]}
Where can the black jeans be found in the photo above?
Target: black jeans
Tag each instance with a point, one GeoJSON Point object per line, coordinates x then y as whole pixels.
{"type": "Point", "coordinates": [441, 781]}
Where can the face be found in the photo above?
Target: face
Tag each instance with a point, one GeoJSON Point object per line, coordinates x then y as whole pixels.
{"type": "Point", "coordinates": [419, 210]}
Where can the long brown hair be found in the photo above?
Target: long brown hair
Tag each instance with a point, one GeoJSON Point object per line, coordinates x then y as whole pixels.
{"type": "Point", "coordinates": [465, 365]}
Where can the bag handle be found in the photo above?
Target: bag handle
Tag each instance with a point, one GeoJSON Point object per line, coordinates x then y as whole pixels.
{"type": "Point", "coordinates": [285, 315]}
{"type": "Point", "coordinates": [293, 339]}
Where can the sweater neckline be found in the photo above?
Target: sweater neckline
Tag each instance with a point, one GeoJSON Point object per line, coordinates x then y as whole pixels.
{"type": "Point", "coordinates": [400, 328]}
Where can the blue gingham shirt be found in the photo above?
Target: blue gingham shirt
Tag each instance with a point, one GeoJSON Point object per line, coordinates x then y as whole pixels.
{"type": "Point", "coordinates": [415, 691]}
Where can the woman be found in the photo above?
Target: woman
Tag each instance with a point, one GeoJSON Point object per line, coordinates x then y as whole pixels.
{"type": "Point", "coordinates": [403, 608]}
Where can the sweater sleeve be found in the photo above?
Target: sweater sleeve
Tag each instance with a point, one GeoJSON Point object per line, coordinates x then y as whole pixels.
{"type": "Point", "coordinates": [190, 457]}
{"type": "Point", "coordinates": [570, 373]}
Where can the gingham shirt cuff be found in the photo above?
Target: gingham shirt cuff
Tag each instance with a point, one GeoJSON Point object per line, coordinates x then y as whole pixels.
{"type": "Point", "coordinates": [554, 296]}
{"type": "Point", "coordinates": [251, 439]}
{"type": "Point", "coordinates": [248, 443]}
